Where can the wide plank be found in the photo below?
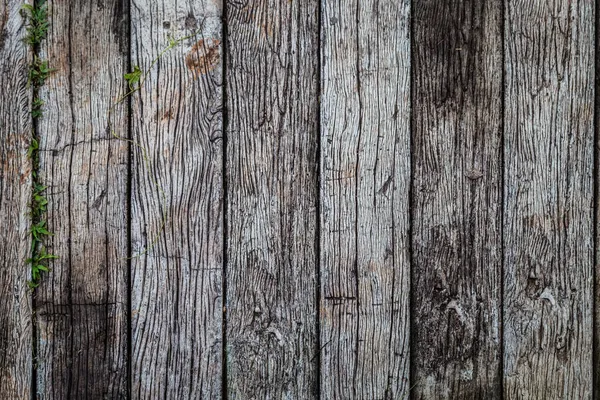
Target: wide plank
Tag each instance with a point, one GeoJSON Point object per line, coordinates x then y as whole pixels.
{"type": "Point", "coordinates": [548, 218]}
{"type": "Point", "coordinates": [272, 141]}
{"type": "Point", "coordinates": [177, 210]}
{"type": "Point", "coordinates": [365, 180]}
{"type": "Point", "coordinates": [457, 199]}
{"type": "Point", "coordinates": [81, 304]}
{"type": "Point", "coordinates": [15, 194]}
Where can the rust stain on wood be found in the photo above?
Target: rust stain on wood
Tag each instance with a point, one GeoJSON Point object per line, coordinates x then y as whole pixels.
{"type": "Point", "coordinates": [204, 56]}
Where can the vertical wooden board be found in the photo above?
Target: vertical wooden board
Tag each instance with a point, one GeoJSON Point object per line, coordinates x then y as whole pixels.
{"type": "Point", "coordinates": [548, 219]}
{"type": "Point", "coordinates": [457, 194]}
{"type": "Point", "coordinates": [271, 75]}
{"type": "Point", "coordinates": [596, 178]}
{"type": "Point", "coordinates": [15, 193]}
{"type": "Point", "coordinates": [81, 304]}
{"type": "Point", "coordinates": [177, 212]}
{"type": "Point", "coordinates": [365, 176]}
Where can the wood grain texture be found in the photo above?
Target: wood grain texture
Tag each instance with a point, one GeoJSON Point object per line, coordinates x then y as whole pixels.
{"type": "Point", "coordinates": [548, 219]}
{"type": "Point", "coordinates": [271, 74]}
{"type": "Point", "coordinates": [177, 268]}
{"type": "Point", "coordinates": [81, 303]}
{"type": "Point", "coordinates": [365, 176]}
{"type": "Point", "coordinates": [457, 194]}
{"type": "Point", "coordinates": [15, 194]}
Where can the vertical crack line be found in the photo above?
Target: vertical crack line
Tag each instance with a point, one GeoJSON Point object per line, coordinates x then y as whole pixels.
{"type": "Point", "coordinates": [596, 181]}
{"type": "Point", "coordinates": [34, 52]}
{"type": "Point", "coordinates": [502, 163]}
{"type": "Point", "coordinates": [411, 341]}
{"type": "Point", "coordinates": [129, 193]}
{"type": "Point", "coordinates": [356, 205]}
{"type": "Point", "coordinates": [318, 166]}
{"type": "Point", "coordinates": [225, 194]}
{"type": "Point", "coordinates": [69, 208]}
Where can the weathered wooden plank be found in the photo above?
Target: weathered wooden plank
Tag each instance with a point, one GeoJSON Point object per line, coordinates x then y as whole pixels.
{"type": "Point", "coordinates": [15, 193]}
{"type": "Point", "coordinates": [596, 178]}
{"type": "Point", "coordinates": [177, 212]}
{"type": "Point", "coordinates": [271, 75]}
{"type": "Point", "coordinates": [365, 176]}
{"type": "Point", "coordinates": [548, 218]}
{"type": "Point", "coordinates": [81, 304]}
{"type": "Point", "coordinates": [457, 194]}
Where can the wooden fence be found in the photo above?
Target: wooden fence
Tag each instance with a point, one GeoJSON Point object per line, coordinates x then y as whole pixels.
{"type": "Point", "coordinates": [335, 199]}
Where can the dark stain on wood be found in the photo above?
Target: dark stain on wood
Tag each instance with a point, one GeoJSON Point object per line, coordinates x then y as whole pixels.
{"type": "Point", "coordinates": [3, 35]}
{"type": "Point", "coordinates": [120, 24]}
{"type": "Point", "coordinates": [451, 33]}
{"type": "Point", "coordinates": [190, 21]}
{"type": "Point", "coordinates": [204, 56]}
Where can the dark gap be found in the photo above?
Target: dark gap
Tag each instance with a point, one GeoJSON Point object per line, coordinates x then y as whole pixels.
{"type": "Point", "coordinates": [35, 169]}
{"type": "Point", "coordinates": [318, 204]}
{"type": "Point", "coordinates": [596, 181]}
{"type": "Point", "coordinates": [129, 193]}
{"type": "Point", "coordinates": [69, 192]}
{"type": "Point", "coordinates": [225, 116]}
{"type": "Point", "coordinates": [502, 191]}
{"type": "Point", "coordinates": [356, 183]}
{"type": "Point", "coordinates": [412, 330]}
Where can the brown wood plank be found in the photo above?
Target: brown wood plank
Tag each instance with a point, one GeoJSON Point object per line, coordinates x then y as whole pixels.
{"type": "Point", "coordinates": [365, 176]}
{"type": "Point", "coordinates": [457, 194]}
{"type": "Point", "coordinates": [271, 75]}
{"type": "Point", "coordinates": [81, 304]}
{"type": "Point", "coordinates": [177, 268]}
{"type": "Point", "coordinates": [548, 219]}
{"type": "Point", "coordinates": [15, 194]}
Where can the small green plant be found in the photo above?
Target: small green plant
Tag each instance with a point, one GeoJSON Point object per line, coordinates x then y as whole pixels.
{"type": "Point", "coordinates": [133, 77]}
{"type": "Point", "coordinates": [38, 72]}
{"type": "Point", "coordinates": [33, 146]}
{"type": "Point", "coordinates": [36, 108]}
{"type": "Point", "coordinates": [38, 232]}
{"type": "Point", "coordinates": [37, 28]}
{"type": "Point", "coordinates": [37, 18]}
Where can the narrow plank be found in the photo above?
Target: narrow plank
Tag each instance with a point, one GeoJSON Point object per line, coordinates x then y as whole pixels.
{"type": "Point", "coordinates": [548, 219]}
{"type": "Point", "coordinates": [596, 178]}
{"type": "Point", "coordinates": [81, 304]}
{"type": "Point", "coordinates": [457, 194]}
{"type": "Point", "coordinates": [177, 238]}
{"type": "Point", "coordinates": [15, 194]}
{"type": "Point", "coordinates": [272, 137]}
{"type": "Point", "coordinates": [365, 176]}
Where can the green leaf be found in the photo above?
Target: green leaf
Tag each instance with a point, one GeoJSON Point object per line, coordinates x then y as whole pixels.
{"type": "Point", "coordinates": [33, 146]}
{"type": "Point", "coordinates": [48, 257]}
{"type": "Point", "coordinates": [133, 77]}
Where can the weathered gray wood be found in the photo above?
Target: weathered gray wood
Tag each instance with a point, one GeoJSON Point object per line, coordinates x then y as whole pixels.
{"type": "Point", "coordinates": [177, 268]}
{"type": "Point", "coordinates": [457, 194]}
{"type": "Point", "coordinates": [15, 194]}
{"type": "Point", "coordinates": [271, 74]}
{"type": "Point", "coordinates": [365, 176]}
{"type": "Point", "coordinates": [596, 177]}
{"type": "Point", "coordinates": [548, 219]}
{"type": "Point", "coordinates": [81, 304]}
